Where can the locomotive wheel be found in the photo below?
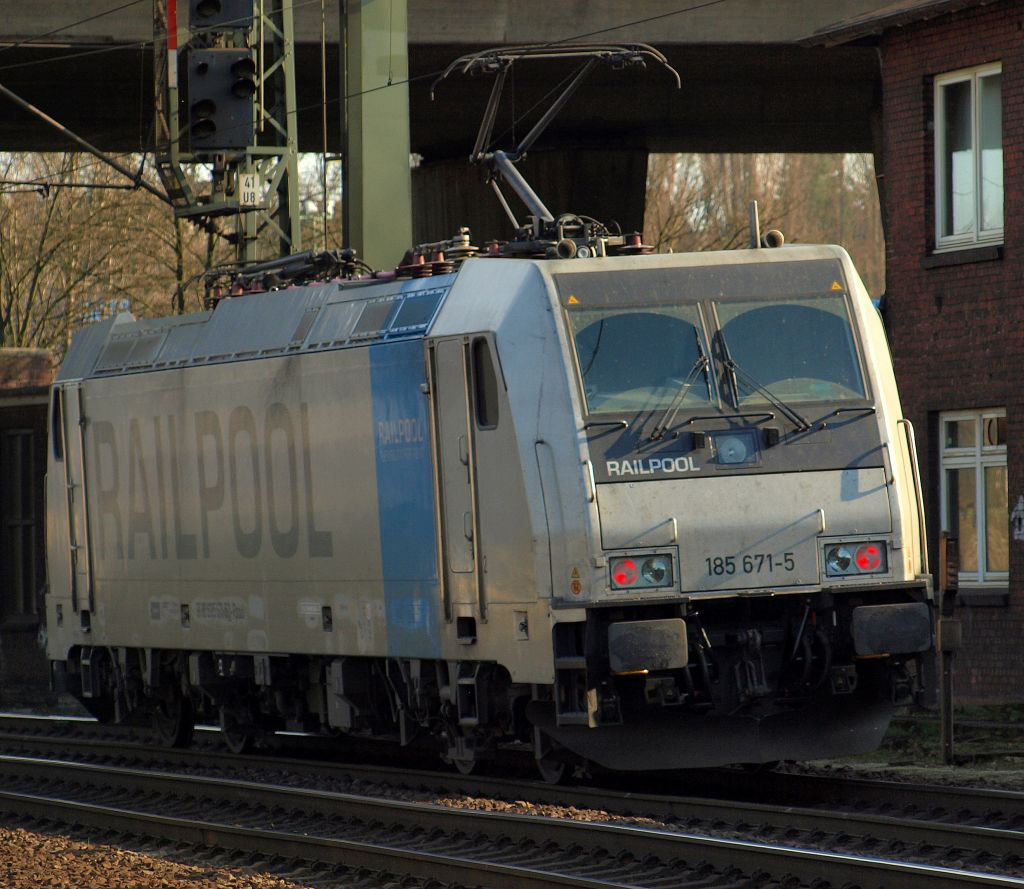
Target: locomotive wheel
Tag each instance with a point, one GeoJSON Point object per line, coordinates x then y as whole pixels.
{"type": "Point", "coordinates": [553, 767]}
{"type": "Point", "coordinates": [173, 718]}
{"type": "Point", "coordinates": [553, 771]}
{"type": "Point", "coordinates": [238, 736]}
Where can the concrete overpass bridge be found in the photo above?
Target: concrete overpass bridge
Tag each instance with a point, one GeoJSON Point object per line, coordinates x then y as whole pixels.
{"type": "Point", "coordinates": [747, 86]}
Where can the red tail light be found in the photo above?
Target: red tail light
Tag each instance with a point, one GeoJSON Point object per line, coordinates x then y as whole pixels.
{"type": "Point", "coordinates": [624, 572]}
{"type": "Point", "coordinates": [869, 557]}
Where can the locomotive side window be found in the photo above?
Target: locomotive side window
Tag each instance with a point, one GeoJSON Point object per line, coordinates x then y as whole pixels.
{"type": "Point", "coordinates": [57, 424]}
{"type": "Point", "coordinates": [485, 385]}
{"type": "Point", "coordinates": [802, 350]}
{"type": "Point", "coordinates": [640, 359]}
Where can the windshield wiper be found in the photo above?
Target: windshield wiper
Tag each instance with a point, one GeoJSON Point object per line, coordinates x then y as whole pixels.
{"type": "Point", "coordinates": [701, 364]}
{"type": "Point", "coordinates": [593, 424]}
{"type": "Point", "coordinates": [736, 370]}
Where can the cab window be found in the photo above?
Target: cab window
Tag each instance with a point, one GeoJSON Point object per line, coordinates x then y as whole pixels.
{"type": "Point", "coordinates": [485, 385]}
{"type": "Point", "coordinates": [801, 350]}
{"type": "Point", "coordinates": [639, 359]}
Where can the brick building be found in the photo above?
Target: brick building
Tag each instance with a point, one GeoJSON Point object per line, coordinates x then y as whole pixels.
{"type": "Point", "coordinates": [951, 154]}
{"type": "Point", "coordinates": [25, 377]}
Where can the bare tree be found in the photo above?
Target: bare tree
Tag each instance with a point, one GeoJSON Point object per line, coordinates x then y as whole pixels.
{"type": "Point", "coordinates": [320, 186]}
{"type": "Point", "coordinates": [76, 245]}
{"type": "Point", "coordinates": [700, 202]}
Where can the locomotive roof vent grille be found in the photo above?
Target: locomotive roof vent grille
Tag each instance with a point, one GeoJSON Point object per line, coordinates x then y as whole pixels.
{"type": "Point", "coordinates": [242, 330]}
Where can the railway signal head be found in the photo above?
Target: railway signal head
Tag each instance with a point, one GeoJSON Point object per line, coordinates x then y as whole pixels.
{"type": "Point", "coordinates": [220, 15]}
{"type": "Point", "coordinates": [221, 89]}
{"type": "Point", "coordinates": [243, 74]}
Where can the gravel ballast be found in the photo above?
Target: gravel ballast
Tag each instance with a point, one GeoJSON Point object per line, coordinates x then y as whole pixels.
{"type": "Point", "coordinates": [40, 861]}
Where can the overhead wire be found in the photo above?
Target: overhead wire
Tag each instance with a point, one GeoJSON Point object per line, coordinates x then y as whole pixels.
{"type": "Point", "coordinates": [99, 50]}
{"type": "Point", "coordinates": [323, 113]}
{"type": "Point", "coordinates": [432, 75]}
{"type": "Point", "coordinates": [643, 21]}
{"type": "Point", "coordinates": [38, 185]}
{"type": "Point", "coordinates": [30, 40]}
{"type": "Point", "coordinates": [78, 54]}
{"type": "Point", "coordinates": [390, 82]}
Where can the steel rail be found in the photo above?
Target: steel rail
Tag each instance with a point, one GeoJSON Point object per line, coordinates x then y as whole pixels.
{"type": "Point", "coordinates": [638, 841]}
{"type": "Point", "coordinates": [326, 850]}
{"type": "Point", "coordinates": [742, 788]}
{"type": "Point", "coordinates": [905, 829]}
{"type": "Point", "coordinates": [876, 791]}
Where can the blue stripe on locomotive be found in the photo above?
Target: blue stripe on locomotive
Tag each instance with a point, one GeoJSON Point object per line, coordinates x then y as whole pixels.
{"type": "Point", "coordinates": [405, 499]}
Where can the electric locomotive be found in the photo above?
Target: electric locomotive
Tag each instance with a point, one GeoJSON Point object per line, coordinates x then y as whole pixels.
{"type": "Point", "coordinates": [649, 511]}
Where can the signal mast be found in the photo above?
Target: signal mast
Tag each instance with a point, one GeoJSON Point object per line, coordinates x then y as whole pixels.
{"type": "Point", "coordinates": [224, 85]}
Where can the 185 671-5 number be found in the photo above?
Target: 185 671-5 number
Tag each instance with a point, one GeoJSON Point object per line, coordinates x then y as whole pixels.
{"type": "Point", "coordinates": [750, 563]}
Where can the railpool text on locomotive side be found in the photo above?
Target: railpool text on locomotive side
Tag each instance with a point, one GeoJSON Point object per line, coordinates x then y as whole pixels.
{"type": "Point", "coordinates": [402, 431]}
{"type": "Point", "coordinates": [163, 500]}
{"type": "Point", "coordinates": [651, 466]}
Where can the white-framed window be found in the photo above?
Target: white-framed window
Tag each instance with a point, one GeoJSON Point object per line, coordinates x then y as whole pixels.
{"type": "Point", "coordinates": [969, 157]}
{"type": "Point", "coordinates": [974, 500]}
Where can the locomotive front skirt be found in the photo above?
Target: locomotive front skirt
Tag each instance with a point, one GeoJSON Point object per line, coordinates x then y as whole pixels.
{"type": "Point", "coordinates": [651, 511]}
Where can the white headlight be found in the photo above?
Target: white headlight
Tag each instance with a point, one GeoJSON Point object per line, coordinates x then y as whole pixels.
{"type": "Point", "coordinates": [656, 570]}
{"type": "Point", "coordinates": [838, 560]}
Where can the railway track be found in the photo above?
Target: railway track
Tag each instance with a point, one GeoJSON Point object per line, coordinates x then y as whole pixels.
{"type": "Point", "coordinates": [456, 846]}
{"type": "Point", "coordinates": [714, 793]}
{"type": "Point", "coordinates": [632, 838]}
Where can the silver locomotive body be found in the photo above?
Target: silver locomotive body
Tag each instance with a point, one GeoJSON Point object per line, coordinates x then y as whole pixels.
{"type": "Point", "coordinates": [654, 511]}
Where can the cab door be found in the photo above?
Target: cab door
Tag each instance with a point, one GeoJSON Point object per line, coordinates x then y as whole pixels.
{"type": "Point", "coordinates": [456, 476]}
{"type": "Point", "coordinates": [73, 431]}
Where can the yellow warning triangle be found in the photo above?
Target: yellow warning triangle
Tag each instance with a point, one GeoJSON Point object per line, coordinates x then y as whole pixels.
{"type": "Point", "coordinates": [836, 285]}
{"type": "Point", "coordinates": [575, 573]}
{"type": "Point", "coordinates": [573, 301]}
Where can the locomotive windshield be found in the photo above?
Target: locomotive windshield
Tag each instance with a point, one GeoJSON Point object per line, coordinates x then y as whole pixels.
{"type": "Point", "coordinates": [641, 359]}
{"type": "Point", "coordinates": [730, 337]}
{"type": "Point", "coordinates": [801, 350]}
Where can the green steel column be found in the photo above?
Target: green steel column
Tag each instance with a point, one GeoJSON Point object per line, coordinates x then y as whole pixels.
{"type": "Point", "coordinates": [377, 197]}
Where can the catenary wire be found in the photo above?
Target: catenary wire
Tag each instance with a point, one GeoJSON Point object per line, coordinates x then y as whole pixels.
{"type": "Point", "coordinates": [395, 83]}
{"type": "Point", "coordinates": [30, 40]}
